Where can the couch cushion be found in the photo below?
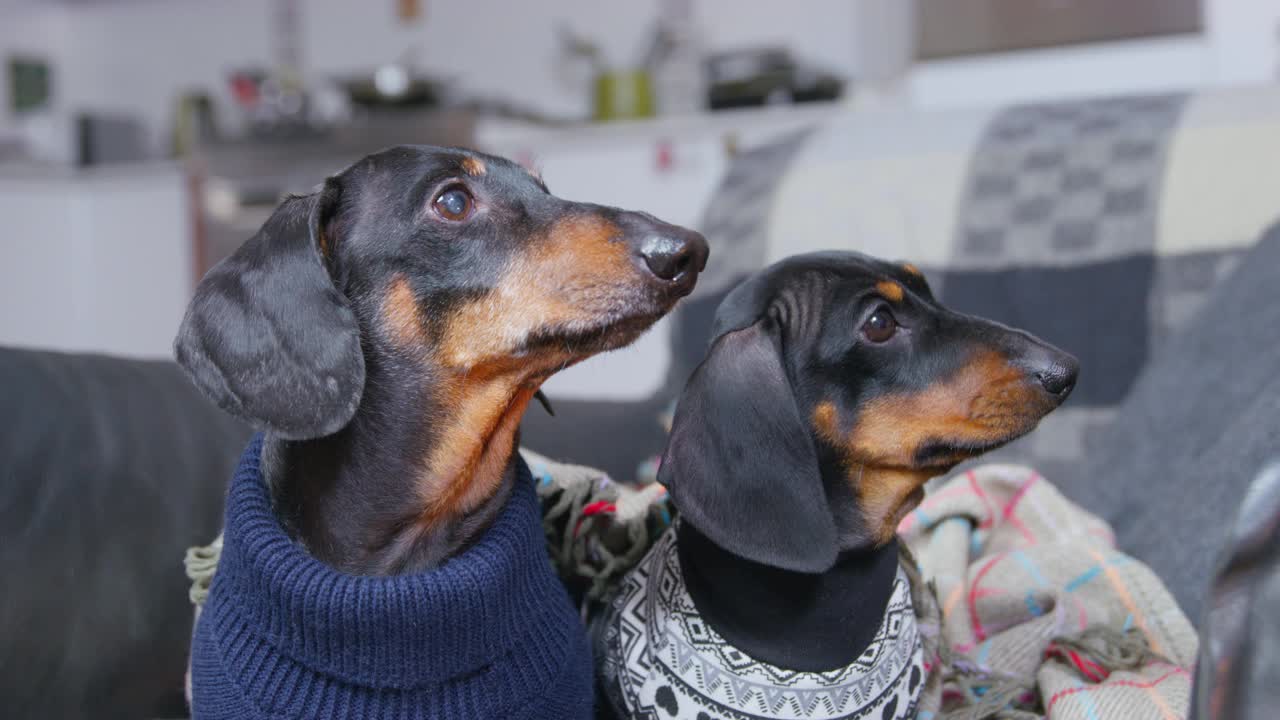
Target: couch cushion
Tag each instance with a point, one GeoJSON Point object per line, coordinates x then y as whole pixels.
{"type": "Point", "coordinates": [109, 470]}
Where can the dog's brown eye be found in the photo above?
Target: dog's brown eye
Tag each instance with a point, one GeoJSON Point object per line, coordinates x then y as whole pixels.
{"type": "Point", "coordinates": [454, 203]}
{"type": "Point", "coordinates": [880, 326]}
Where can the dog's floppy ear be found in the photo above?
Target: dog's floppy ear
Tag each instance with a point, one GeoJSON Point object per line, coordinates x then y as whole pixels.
{"type": "Point", "coordinates": [268, 336]}
{"type": "Point", "coordinates": [740, 463]}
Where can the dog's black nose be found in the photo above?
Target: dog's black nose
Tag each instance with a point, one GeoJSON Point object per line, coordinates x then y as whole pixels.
{"type": "Point", "coordinates": [1057, 379]}
{"type": "Point", "coordinates": [1056, 372]}
{"type": "Point", "coordinates": [1054, 369]}
{"type": "Point", "coordinates": [672, 254]}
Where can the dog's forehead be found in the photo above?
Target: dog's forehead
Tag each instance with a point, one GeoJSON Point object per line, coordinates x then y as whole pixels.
{"type": "Point", "coordinates": [835, 270]}
{"type": "Point", "coordinates": [406, 163]}
{"type": "Point", "coordinates": [850, 274]}
{"type": "Point", "coordinates": [890, 278]}
{"type": "Point", "coordinates": [810, 277]}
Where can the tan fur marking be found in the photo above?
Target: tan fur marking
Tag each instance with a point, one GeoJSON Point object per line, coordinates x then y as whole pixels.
{"type": "Point", "coordinates": [891, 290]}
{"type": "Point", "coordinates": [322, 239]}
{"type": "Point", "coordinates": [987, 401]}
{"type": "Point", "coordinates": [885, 495]}
{"type": "Point", "coordinates": [400, 314]}
{"type": "Point", "coordinates": [571, 277]}
{"type": "Point", "coordinates": [466, 464]}
{"type": "Point", "coordinates": [912, 269]}
{"type": "Point", "coordinates": [473, 166]}
{"type": "Point", "coordinates": [492, 462]}
{"type": "Point", "coordinates": [826, 420]}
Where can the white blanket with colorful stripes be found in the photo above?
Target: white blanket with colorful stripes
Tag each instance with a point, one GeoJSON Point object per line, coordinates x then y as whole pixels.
{"type": "Point", "coordinates": [1012, 571]}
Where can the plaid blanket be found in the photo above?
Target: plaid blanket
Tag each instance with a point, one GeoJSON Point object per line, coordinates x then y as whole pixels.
{"type": "Point", "coordinates": [1028, 610]}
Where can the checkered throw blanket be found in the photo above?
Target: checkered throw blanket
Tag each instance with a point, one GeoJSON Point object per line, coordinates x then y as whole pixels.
{"type": "Point", "coordinates": [1028, 610]}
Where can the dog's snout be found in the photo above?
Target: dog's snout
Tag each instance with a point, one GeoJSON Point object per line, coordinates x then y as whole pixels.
{"type": "Point", "coordinates": [670, 256]}
{"type": "Point", "coordinates": [1054, 369]}
{"type": "Point", "coordinates": [670, 253]}
{"type": "Point", "coordinates": [1058, 378]}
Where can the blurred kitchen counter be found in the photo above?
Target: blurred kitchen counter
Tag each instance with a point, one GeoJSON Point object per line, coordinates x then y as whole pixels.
{"type": "Point", "coordinates": [105, 258]}
{"type": "Point", "coordinates": [294, 161]}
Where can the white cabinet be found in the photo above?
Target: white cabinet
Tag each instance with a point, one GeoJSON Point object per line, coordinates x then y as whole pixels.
{"type": "Point", "coordinates": [95, 261]}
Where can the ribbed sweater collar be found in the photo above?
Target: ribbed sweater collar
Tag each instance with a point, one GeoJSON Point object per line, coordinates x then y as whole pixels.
{"type": "Point", "coordinates": [401, 632]}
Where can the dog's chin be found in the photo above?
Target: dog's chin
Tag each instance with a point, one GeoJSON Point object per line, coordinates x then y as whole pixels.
{"type": "Point", "coordinates": [611, 336]}
{"type": "Point", "coordinates": [626, 318]}
{"type": "Point", "coordinates": [573, 343]}
{"type": "Point", "coordinates": [909, 503]}
{"type": "Point", "coordinates": [940, 456]}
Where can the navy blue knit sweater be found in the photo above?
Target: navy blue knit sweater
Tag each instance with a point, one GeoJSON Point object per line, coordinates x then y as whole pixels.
{"type": "Point", "coordinates": [489, 634]}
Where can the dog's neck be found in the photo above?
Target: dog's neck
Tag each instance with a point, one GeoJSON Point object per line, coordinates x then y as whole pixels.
{"type": "Point", "coordinates": [420, 472]}
{"type": "Point", "coordinates": [791, 620]}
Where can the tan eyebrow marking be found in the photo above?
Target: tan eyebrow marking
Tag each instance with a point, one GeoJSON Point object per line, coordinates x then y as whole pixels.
{"type": "Point", "coordinates": [890, 289]}
{"type": "Point", "coordinates": [473, 167]}
{"type": "Point", "coordinates": [912, 269]}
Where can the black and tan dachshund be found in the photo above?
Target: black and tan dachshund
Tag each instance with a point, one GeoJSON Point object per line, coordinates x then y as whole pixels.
{"type": "Point", "coordinates": [835, 387]}
{"type": "Point", "coordinates": [388, 331]}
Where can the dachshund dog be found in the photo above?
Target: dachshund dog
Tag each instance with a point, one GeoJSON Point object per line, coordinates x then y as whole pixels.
{"type": "Point", "coordinates": [388, 331]}
{"type": "Point", "coordinates": [383, 553]}
{"type": "Point", "coordinates": [835, 387]}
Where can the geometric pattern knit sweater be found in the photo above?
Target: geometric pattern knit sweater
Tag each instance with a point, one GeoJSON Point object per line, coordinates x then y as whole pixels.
{"type": "Point", "coordinates": [659, 660]}
{"type": "Point", "coordinates": [491, 633]}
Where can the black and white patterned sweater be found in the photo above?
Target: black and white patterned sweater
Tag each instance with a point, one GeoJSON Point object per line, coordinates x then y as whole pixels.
{"type": "Point", "coordinates": [658, 660]}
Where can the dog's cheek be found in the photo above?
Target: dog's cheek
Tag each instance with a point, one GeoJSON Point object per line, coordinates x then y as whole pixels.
{"type": "Point", "coordinates": [583, 260]}
{"type": "Point", "coordinates": [488, 329]}
{"type": "Point", "coordinates": [986, 400]}
{"type": "Point", "coordinates": [1010, 408]}
{"type": "Point", "coordinates": [571, 278]}
{"type": "Point", "coordinates": [886, 432]}
{"type": "Point", "coordinates": [480, 332]}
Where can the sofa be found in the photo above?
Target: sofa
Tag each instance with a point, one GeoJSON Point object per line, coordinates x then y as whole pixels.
{"type": "Point", "coordinates": [1137, 232]}
{"type": "Point", "coordinates": [1117, 228]}
{"type": "Point", "coordinates": [109, 470]}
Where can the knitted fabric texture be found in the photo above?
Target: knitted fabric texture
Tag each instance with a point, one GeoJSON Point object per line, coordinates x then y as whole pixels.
{"type": "Point", "coordinates": [489, 634]}
{"type": "Point", "coordinates": [1027, 610]}
{"type": "Point", "coordinates": [660, 660]}
{"type": "Point", "coordinates": [596, 529]}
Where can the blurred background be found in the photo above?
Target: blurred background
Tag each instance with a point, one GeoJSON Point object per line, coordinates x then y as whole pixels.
{"type": "Point", "coordinates": [1092, 170]}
